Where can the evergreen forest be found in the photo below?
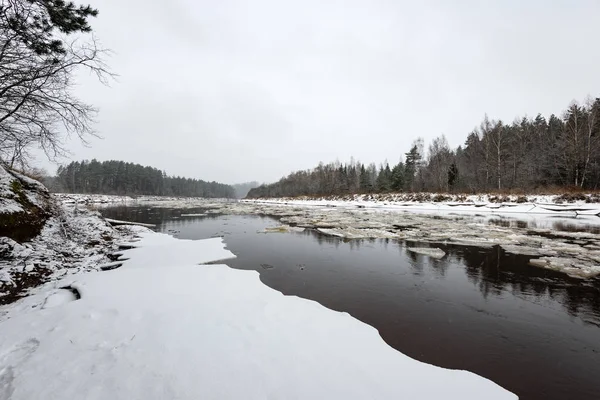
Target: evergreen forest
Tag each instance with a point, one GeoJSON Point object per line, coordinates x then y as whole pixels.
{"type": "Point", "coordinates": [122, 178]}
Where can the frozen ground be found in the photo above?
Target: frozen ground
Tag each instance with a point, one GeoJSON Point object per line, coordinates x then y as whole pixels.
{"type": "Point", "coordinates": [519, 228]}
{"type": "Point", "coordinates": [163, 327]}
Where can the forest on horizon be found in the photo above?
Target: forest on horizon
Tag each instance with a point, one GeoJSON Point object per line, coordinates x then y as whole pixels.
{"type": "Point", "coordinates": [529, 154]}
{"type": "Point", "coordinates": [123, 178]}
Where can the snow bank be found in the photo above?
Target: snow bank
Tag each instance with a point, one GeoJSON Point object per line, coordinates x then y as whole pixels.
{"type": "Point", "coordinates": [546, 205]}
{"type": "Point", "coordinates": [161, 327]}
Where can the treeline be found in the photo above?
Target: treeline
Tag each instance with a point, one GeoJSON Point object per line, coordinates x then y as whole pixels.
{"type": "Point", "coordinates": [528, 154]}
{"type": "Point", "coordinates": [119, 177]}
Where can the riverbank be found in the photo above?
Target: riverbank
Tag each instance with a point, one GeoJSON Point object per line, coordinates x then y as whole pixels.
{"type": "Point", "coordinates": [43, 239]}
{"type": "Point", "coordinates": [73, 240]}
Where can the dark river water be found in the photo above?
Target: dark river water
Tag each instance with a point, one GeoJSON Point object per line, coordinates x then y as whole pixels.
{"type": "Point", "coordinates": [533, 331]}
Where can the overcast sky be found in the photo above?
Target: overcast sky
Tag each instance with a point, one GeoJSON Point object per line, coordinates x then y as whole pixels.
{"type": "Point", "coordinates": [237, 90]}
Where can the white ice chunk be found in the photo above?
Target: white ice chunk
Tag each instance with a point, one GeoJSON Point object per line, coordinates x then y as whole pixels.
{"type": "Point", "coordinates": [433, 252]}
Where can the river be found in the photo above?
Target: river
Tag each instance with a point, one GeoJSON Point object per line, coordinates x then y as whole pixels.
{"type": "Point", "coordinates": [533, 331]}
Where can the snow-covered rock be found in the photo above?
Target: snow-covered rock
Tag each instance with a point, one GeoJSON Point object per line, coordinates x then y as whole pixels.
{"type": "Point", "coordinates": [163, 327]}
{"type": "Point", "coordinates": [25, 204]}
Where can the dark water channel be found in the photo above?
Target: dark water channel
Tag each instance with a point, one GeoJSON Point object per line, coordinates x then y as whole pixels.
{"type": "Point", "coordinates": [535, 332]}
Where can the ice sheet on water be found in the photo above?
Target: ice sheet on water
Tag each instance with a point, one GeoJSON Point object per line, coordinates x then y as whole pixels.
{"type": "Point", "coordinates": [573, 267]}
{"type": "Point", "coordinates": [282, 229]}
{"type": "Point", "coordinates": [432, 252]}
{"type": "Point", "coordinates": [167, 328]}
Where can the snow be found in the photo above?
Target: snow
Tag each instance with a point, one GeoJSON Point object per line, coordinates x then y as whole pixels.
{"type": "Point", "coordinates": [33, 191]}
{"type": "Point", "coordinates": [163, 327]}
{"type": "Point", "coordinates": [58, 297]}
{"type": "Point", "coordinates": [72, 241]}
{"type": "Point", "coordinates": [8, 203]}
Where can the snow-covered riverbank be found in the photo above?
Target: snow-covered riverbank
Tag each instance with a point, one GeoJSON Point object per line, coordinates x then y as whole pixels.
{"type": "Point", "coordinates": [162, 326]}
{"type": "Point", "coordinates": [42, 239]}
{"type": "Point", "coordinates": [72, 241]}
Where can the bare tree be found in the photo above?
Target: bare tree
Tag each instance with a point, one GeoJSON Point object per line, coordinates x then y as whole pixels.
{"type": "Point", "coordinates": [440, 158]}
{"type": "Point", "coordinates": [38, 58]}
{"type": "Point", "coordinates": [592, 119]}
{"type": "Point", "coordinates": [498, 141]}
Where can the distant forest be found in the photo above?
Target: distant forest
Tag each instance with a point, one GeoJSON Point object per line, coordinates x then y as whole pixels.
{"type": "Point", "coordinates": [119, 177]}
{"type": "Point", "coordinates": [528, 154]}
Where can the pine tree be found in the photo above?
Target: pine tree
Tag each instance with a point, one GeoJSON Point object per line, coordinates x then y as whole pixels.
{"type": "Point", "coordinates": [412, 159]}
{"type": "Point", "coordinates": [452, 175]}
{"type": "Point", "coordinates": [397, 177]}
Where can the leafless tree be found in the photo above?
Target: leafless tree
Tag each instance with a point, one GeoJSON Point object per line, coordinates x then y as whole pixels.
{"type": "Point", "coordinates": [439, 160]}
{"type": "Point", "coordinates": [37, 103]}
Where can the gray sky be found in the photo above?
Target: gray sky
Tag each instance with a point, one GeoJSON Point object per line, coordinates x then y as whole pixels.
{"type": "Point", "coordinates": [234, 90]}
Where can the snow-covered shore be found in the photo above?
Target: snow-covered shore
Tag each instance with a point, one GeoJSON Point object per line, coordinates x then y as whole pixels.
{"type": "Point", "coordinates": [425, 202]}
{"type": "Point", "coordinates": [42, 239]}
{"type": "Point", "coordinates": [107, 199]}
{"type": "Point", "coordinates": [74, 240]}
{"type": "Point", "coordinates": [162, 326]}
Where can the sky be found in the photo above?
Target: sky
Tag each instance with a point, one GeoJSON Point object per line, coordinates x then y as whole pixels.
{"type": "Point", "coordinates": [236, 91]}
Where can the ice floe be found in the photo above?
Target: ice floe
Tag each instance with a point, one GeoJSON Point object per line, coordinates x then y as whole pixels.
{"type": "Point", "coordinates": [432, 252]}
